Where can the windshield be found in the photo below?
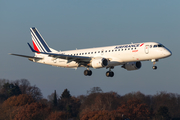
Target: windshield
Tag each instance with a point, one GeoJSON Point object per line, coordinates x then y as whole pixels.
{"type": "Point", "coordinates": [154, 46]}
{"type": "Point", "coordinates": [159, 45]}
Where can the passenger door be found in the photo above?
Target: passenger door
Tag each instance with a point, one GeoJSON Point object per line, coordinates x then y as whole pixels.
{"type": "Point", "coordinates": [146, 49]}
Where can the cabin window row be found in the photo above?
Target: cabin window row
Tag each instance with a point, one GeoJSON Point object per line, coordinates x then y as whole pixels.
{"type": "Point", "coordinates": [105, 51]}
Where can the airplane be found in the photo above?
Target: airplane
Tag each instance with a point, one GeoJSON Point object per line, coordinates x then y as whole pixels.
{"type": "Point", "coordinates": [129, 56]}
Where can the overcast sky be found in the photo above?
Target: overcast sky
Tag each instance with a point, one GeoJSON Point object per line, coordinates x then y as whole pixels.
{"type": "Point", "coordinates": [71, 24]}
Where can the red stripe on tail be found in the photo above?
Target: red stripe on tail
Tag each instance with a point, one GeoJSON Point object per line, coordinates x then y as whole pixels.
{"type": "Point", "coordinates": [35, 47]}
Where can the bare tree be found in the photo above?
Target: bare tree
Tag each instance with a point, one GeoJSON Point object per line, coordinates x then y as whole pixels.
{"type": "Point", "coordinates": [95, 90]}
{"type": "Point", "coordinates": [35, 92]}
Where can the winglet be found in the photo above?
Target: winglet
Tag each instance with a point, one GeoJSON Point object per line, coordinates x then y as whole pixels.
{"type": "Point", "coordinates": [32, 48]}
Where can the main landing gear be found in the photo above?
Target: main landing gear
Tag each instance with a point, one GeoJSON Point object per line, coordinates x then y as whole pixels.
{"type": "Point", "coordinates": [110, 73]}
{"type": "Point", "coordinates": [87, 72]}
{"type": "Point", "coordinates": [154, 62]}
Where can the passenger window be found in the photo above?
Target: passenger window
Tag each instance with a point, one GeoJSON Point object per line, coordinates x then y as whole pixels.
{"type": "Point", "coordinates": [128, 48]}
{"type": "Point", "coordinates": [112, 50]}
{"type": "Point", "coordinates": [82, 53]}
{"type": "Point", "coordinates": [91, 52]}
{"type": "Point", "coordinates": [122, 50]}
{"type": "Point", "coordinates": [98, 51]}
{"type": "Point", "coordinates": [131, 48]}
{"type": "Point", "coordinates": [109, 50]}
{"type": "Point", "coordinates": [115, 50]}
{"type": "Point", "coordinates": [150, 46]}
{"type": "Point", "coordinates": [118, 49]}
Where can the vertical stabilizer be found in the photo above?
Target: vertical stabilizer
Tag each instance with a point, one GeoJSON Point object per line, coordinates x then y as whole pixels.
{"type": "Point", "coordinates": [39, 43]}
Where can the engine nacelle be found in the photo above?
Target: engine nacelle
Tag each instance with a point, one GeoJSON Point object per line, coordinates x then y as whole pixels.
{"type": "Point", "coordinates": [132, 66]}
{"type": "Point", "coordinates": [99, 62]}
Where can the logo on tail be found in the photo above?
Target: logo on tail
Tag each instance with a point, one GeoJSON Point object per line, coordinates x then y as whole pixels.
{"type": "Point", "coordinates": [39, 43]}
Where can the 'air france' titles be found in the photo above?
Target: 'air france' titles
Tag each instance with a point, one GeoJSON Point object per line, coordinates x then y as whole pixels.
{"type": "Point", "coordinates": [127, 46]}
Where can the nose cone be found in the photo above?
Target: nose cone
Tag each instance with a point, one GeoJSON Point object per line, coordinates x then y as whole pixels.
{"type": "Point", "coordinates": [168, 53]}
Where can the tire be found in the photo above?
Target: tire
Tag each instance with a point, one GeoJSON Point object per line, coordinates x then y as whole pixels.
{"type": "Point", "coordinates": [111, 74]}
{"type": "Point", "coordinates": [154, 67]}
{"type": "Point", "coordinates": [89, 72]}
{"type": "Point", "coordinates": [86, 72]}
{"type": "Point", "coordinates": [108, 74]}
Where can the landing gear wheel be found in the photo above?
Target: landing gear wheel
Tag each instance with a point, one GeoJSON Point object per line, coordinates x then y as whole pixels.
{"type": "Point", "coordinates": [109, 74]}
{"type": "Point", "coordinates": [87, 72]}
{"type": "Point", "coordinates": [154, 62]}
{"type": "Point", "coordinates": [154, 67]}
{"type": "Point", "coordinates": [90, 73]}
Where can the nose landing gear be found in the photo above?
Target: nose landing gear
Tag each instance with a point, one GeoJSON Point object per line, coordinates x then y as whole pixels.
{"type": "Point", "coordinates": [154, 62]}
{"type": "Point", "coordinates": [154, 67]}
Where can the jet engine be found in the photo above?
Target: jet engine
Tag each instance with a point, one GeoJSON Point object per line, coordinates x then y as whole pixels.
{"type": "Point", "coordinates": [132, 66]}
{"type": "Point", "coordinates": [99, 62]}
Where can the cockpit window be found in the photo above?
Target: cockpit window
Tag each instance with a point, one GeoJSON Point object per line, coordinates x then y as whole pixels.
{"type": "Point", "coordinates": [160, 45]}
{"type": "Point", "coordinates": [155, 46]}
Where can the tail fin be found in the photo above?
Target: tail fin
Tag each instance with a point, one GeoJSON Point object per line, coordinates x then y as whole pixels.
{"type": "Point", "coordinates": [39, 43]}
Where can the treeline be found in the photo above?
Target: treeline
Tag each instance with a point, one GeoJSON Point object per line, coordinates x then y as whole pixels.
{"type": "Point", "coordinates": [21, 101]}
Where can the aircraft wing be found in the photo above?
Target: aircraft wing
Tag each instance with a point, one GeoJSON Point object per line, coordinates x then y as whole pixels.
{"type": "Point", "coordinates": [69, 57]}
{"type": "Point", "coordinates": [25, 56]}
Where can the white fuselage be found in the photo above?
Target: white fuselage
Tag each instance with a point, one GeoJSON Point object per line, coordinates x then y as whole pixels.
{"type": "Point", "coordinates": [117, 55]}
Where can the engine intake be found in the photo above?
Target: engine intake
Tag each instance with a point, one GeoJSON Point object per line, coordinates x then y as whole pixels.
{"type": "Point", "coordinates": [132, 66]}
{"type": "Point", "coordinates": [99, 62]}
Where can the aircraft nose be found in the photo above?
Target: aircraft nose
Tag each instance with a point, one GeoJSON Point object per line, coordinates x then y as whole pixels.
{"type": "Point", "coordinates": [168, 53]}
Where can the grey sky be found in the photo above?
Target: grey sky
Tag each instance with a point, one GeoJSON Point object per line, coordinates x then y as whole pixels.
{"type": "Point", "coordinates": [90, 23]}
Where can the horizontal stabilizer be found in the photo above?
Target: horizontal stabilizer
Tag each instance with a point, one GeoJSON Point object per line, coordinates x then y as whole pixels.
{"type": "Point", "coordinates": [32, 48]}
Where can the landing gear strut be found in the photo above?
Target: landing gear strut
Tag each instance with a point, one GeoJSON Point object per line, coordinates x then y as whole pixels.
{"type": "Point", "coordinates": [110, 73]}
{"type": "Point", "coordinates": [87, 72]}
{"type": "Point", "coordinates": [154, 62]}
